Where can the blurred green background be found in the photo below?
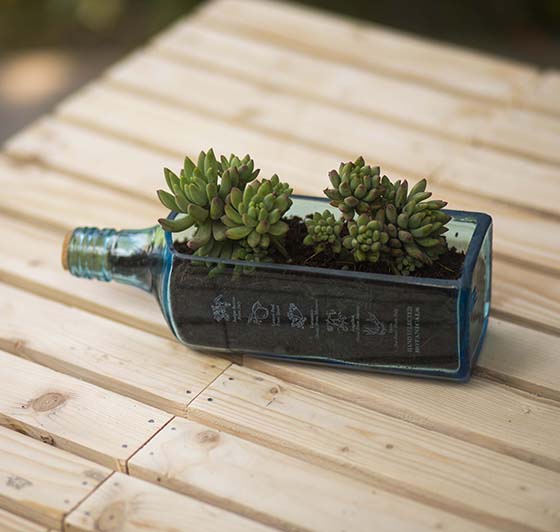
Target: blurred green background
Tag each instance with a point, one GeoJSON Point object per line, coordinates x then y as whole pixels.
{"type": "Point", "coordinates": [73, 40]}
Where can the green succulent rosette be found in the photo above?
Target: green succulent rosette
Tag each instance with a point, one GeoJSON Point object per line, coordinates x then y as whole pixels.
{"type": "Point", "coordinates": [415, 225]}
{"type": "Point", "coordinates": [254, 215]}
{"type": "Point", "coordinates": [366, 239]}
{"type": "Point", "coordinates": [323, 231]}
{"type": "Point", "coordinates": [356, 188]}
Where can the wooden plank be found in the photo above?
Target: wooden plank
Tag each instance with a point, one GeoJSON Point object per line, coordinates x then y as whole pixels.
{"type": "Point", "coordinates": [530, 357]}
{"type": "Point", "coordinates": [156, 125]}
{"type": "Point", "coordinates": [283, 115]}
{"type": "Point", "coordinates": [196, 42]}
{"type": "Point", "coordinates": [526, 296]}
{"type": "Point", "coordinates": [153, 370]}
{"type": "Point", "coordinates": [68, 413]}
{"type": "Point", "coordinates": [273, 488]}
{"type": "Point", "coordinates": [344, 86]}
{"type": "Point", "coordinates": [397, 54]}
{"type": "Point", "coordinates": [512, 422]}
{"type": "Point", "coordinates": [103, 108]}
{"type": "Point", "coordinates": [128, 504]}
{"type": "Point", "coordinates": [30, 259]}
{"type": "Point", "coordinates": [471, 481]}
{"type": "Point", "coordinates": [13, 523]}
{"type": "Point", "coordinates": [128, 168]}
{"type": "Point", "coordinates": [533, 135]}
{"type": "Point", "coordinates": [42, 482]}
{"type": "Point", "coordinates": [544, 95]}
{"type": "Point", "coordinates": [28, 200]}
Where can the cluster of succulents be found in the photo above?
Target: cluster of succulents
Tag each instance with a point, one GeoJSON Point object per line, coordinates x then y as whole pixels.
{"type": "Point", "coordinates": [234, 215]}
{"type": "Point", "coordinates": [380, 220]}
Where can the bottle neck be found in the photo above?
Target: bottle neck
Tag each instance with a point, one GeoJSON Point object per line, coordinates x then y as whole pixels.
{"type": "Point", "coordinates": [131, 257]}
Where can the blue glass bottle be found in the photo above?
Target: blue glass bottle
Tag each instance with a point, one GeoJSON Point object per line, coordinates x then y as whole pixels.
{"type": "Point", "coordinates": [407, 325]}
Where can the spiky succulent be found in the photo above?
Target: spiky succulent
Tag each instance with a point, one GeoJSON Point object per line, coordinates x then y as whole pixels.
{"type": "Point", "coordinates": [415, 226]}
{"type": "Point", "coordinates": [235, 216]}
{"type": "Point", "coordinates": [323, 231]}
{"type": "Point", "coordinates": [366, 239]}
{"type": "Point", "coordinates": [255, 214]}
{"type": "Point", "coordinates": [356, 188]}
{"type": "Point", "coordinates": [394, 225]}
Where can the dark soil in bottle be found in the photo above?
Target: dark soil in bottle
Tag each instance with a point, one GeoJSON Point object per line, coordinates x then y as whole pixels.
{"type": "Point", "coordinates": [317, 316]}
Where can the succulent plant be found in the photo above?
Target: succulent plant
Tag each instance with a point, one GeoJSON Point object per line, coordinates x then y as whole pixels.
{"type": "Point", "coordinates": [323, 231]}
{"type": "Point", "coordinates": [200, 192]}
{"type": "Point", "coordinates": [415, 226]}
{"type": "Point", "coordinates": [235, 216]}
{"type": "Point", "coordinates": [356, 188]}
{"type": "Point", "coordinates": [395, 225]}
{"type": "Point", "coordinates": [366, 239]}
{"type": "Point", "coordinates": [255, 214]}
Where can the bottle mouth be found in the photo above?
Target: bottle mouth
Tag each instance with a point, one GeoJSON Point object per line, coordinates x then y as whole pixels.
{"type": "Point", "coordinates": [65, 246]}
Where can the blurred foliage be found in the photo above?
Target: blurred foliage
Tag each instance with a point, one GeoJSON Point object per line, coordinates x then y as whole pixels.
{"type": "Point", "coordinates": [518, 28]}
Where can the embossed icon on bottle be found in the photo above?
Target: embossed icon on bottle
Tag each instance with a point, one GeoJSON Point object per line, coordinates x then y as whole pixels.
{"type": "Point", "coordinates": [296, 317]}
{"type": "Point", "coordinates": [374, 327]}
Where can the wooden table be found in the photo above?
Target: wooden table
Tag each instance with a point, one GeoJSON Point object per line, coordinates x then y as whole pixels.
{"type": "Point", "coordinates": [107, 421]}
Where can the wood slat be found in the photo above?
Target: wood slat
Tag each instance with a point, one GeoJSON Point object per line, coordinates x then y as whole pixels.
{"type": "Point", "coordinates": [153, 122]}
{"type": "Point", "coordinates": [511, 423]}
{"type": "Point", "coordinates": [486, 486]}
{"type": "Point", "coordinates": [30, 259]}
{"type": "Point", "coordinates": [13, 523]}
{"type": "Point", "coordinates": [526, 296]}
{"type": "Point", "coordinates": [206, 41]}
{"type": "Point", "coordinates": [214, 42]}
{"type": "Point", "coordinates": [545, 94]}
{"type": "Point", "coordinates": [407, 57]}
{"type": "Point", "coordinates": [42, 482]}
{"type": "Point", "coordinates": [531, 358]}
{"type": "Point", "coordinates": [333, 130]}
{"type": "Point", "coordinates": [276, 489]}
{"type": "Point", "coordinates": [127, 504]}
{"type": "Point", "coordinates": [153, 370]}
{"type": "Point", "coordinates": [42, 198]}
{"type": "Point", "coordinates": [281, 114]}
{"type": "Point", "coordinates": [89, 421]}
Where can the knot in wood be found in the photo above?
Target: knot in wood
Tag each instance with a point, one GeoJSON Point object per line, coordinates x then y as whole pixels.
{"type": "Point", "coordinates": [208, 437]}
{"type": "Point", "coordinates": [112, 518]}
{"type": "Point", "coordinates": [48, 401]}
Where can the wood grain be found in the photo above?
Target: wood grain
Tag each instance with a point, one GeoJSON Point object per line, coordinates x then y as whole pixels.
{"type": "Point", "coordinates": [71, 414]}
{"type": "Point", "coordinates": [397, 54]}
{"type": "Point", "coordinates": [545, 94]}
{"type": "Point", "coordinates": [276, 489]}
{"type": "Point", "coordinates": [430, 467]}
{"type": "Point", "coordinates": [334, 130]}
{"type": "Point", "coordinates": [209, 40]}
{"type": "Point", "coordinates": [41, 482]}
{"type": "Point", "coordinates": [155, 371]}
{"type": "Point", "coordinates": [512, 421]}
{"type": "Point", "coordinates": [127, 504]}
{"type": "Point", "coordinates": [63, 213]}
{"type": "Point", "coordinates": [13, 523]}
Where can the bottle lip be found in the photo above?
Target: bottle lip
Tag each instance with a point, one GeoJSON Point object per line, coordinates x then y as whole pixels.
{"type": "Point", "coordinates": [65, 246]}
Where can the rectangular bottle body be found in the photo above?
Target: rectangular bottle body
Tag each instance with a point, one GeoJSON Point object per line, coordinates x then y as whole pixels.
{"type": "Point", "coordinates": [356, 320]}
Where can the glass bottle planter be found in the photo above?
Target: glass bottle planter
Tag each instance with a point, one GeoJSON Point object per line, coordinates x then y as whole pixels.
{"type": "Point", "coordinates": [406, 325]}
